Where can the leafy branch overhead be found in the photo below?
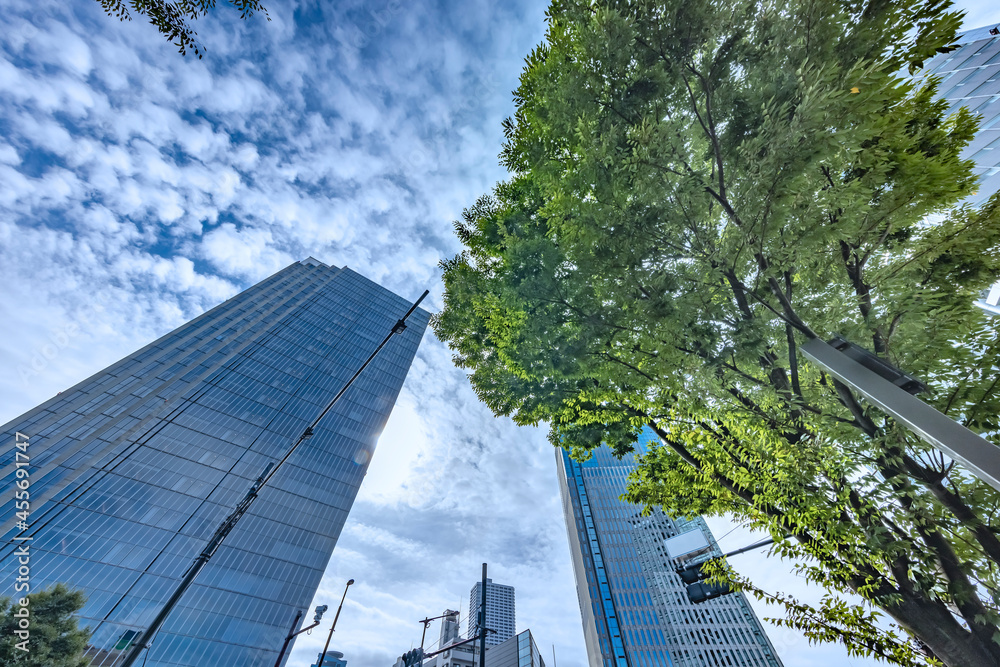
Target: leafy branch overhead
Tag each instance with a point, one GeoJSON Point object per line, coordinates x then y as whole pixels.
{"type": "Point", "coordinates": [696, 188]}
{"type": "Point", "coordinates": [173, 19]}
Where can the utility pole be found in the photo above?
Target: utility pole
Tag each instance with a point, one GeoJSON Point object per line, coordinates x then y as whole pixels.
{"type": "Point", "coordinates": [427, 623]}
{"type": "Point", "coordinates": [482, 622]}
{"type": "Point", "coordinates": [322, 656]}
{"type": "Point", "coordinates": [143, 640]}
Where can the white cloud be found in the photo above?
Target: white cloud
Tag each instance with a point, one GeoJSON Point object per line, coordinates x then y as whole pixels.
{"type": "Point", "coordinates": [141, 188]}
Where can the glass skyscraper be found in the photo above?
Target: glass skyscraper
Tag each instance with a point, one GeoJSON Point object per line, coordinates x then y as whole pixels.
{"type": "Point", "coordinates": [133, 469]}
{"type": "Point", "coordinates": [970, 77]}
{"type": "Point", "coordinates": [635, 608]}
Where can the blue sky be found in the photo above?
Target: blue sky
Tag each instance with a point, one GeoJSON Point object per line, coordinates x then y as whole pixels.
{"type": "Point", "coordinates": [140, 188]}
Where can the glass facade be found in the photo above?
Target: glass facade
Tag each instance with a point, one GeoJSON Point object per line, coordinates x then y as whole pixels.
{"type": "Point", "coordinates": [134, 468]}
{"type": "Point", "coordinates": [635, 609]}
{"type": "Point", "coordinates": [970, 77]}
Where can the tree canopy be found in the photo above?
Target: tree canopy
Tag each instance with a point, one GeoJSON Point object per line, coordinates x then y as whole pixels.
{"type": "Point", "coordinates": [55, 640]}
{"type": "Point", "coordinates": [173, 19]}
{"type": "Point", "coordinates": [698, 187]}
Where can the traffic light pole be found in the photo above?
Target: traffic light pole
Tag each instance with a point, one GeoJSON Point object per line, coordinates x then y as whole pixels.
{"type": "Point", "coordinates": [143, 640]}
{"type": "Point", "coordinates": [427, 622]}
{"type": "Point", "coordinates": [291, 635]}
{"type": "Point", "coordinates": [692, 576]}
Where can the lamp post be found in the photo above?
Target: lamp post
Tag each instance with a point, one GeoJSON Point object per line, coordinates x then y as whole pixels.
{"type": "Point", "coordinates": [292, 633]}
{"type": "Point", "coordinates": [322, 656]}
{"type": "Point", "coordinates": [885, 387]}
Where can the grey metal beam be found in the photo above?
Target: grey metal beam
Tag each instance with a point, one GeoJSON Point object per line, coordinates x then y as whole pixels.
{"type": "Point", "coordinates": [980, 456]}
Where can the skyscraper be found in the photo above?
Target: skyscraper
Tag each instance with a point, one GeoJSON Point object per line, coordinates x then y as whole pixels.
{"type": "Point", "coordinates": [499, 611]}
{"type": "Point", "coordinates": [970, 77]}
{"type": "Point", "coordinates": [634, 606]}
{"type": "Point", "coordinates": [132, 469]}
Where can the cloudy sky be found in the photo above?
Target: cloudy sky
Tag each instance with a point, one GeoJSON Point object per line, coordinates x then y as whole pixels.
{"type": "Point", "coordinates": [139, 188]}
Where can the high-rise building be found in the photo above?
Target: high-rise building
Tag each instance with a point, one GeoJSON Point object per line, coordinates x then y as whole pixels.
{"type": "Point", "coordinates": [132, 470]}
{"type": "Point", "coordinates": [499, 611]}
{"type": "Point", "coordinates": [970, 77]}
{"type": "Point", "coordinates": [330, 659]}
{"type": "Point", "coordinates": [449, 628]}
{"type": "Point", "coordinates": [634, 606]}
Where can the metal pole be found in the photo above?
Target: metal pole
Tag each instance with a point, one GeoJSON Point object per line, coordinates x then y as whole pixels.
{"type": "Point", "coordinates": [482, 623]}
{"type": "Point", "coordinates": [143, 640]}
{"type": "Point", "coordinates": [322, 656]}
{"type": "Point", "coordinates": [976, 453]}
{"type": "Point", "coordinates": [755, 545]}
{"type": "Point", "coordinates": [291, 634]}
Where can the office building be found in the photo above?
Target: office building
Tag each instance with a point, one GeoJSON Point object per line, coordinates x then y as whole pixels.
{"type": "Point", "coordinates": [634, 606]}
{"type": "Point", "coordinates": [134, 468]}
{"type": "Point", "coordinates": [332, 659]}
{"type": "Point", "coordinates": [449, 628]}
{"type": "Point", "coordinates": [517, 651]}
{"type": "Point", "coordinates": [499, 611]}
{"type": "Point", "coordinates": [970, 77]}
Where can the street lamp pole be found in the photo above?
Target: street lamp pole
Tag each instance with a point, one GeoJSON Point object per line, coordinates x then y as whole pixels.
{"type": "Point", "coordinates": [980, 456]}
{"type": "Point", "coordinates": [292, 634]}
{"type": "Point", "coordinates": [322, 656]}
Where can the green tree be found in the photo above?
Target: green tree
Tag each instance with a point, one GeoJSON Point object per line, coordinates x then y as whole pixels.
{"type": "Point", "coordinates": [698, 187]}
{"type": "Point", "coordinates": [172, 18]}
{"type": "Point", "coordinates": [55, 640]}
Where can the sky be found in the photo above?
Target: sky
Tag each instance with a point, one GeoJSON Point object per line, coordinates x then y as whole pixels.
{"type": "Point", "coordinates": [139, 188]}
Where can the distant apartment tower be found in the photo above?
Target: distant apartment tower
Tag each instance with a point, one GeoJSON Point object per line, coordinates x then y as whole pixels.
{"type": "Point", "coordinates": [970, 77]}
{"type": "Point", "coordinates": [634, 606]}
{"type": "Point", "coordinates": [134, 468]}
{"type": "Point", "coordinates": [499, 611]}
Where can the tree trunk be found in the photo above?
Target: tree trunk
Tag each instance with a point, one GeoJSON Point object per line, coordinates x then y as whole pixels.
{"type": "Point", "coordinates": [936, 627]}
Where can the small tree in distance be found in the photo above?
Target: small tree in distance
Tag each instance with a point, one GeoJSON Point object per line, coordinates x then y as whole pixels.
{"type": "Point", "coordinates": [172, 18]}
{"type": "Point", "coordinates": [697, 188]}
{"type": "Point", "coordinates": [55, 640]}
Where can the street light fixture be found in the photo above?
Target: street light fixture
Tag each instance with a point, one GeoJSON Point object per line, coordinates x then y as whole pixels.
{"type": "Point", "coordinates": [322, 656]}
{"type": "Point", "coordinates": [979, 455]}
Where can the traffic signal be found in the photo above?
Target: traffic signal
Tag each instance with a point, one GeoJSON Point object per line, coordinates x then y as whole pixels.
{"type": "Point", "coordinates": [697, 589]}
{"type": "Point", "coordinates": [413, 657]}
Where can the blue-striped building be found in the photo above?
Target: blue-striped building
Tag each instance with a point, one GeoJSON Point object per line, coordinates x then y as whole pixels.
{"type": "Point", "coordinates": [634, 607]}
